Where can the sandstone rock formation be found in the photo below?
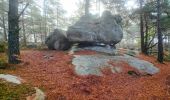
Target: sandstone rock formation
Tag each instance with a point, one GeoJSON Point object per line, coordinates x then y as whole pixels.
{"type": "Point", "coordinates": [57, 41]}
{"type": "Point", "coordinates": [106, 29]}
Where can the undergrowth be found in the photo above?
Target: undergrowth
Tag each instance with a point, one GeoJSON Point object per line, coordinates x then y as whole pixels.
{"type": "Point", "coordinates": [9, 91]}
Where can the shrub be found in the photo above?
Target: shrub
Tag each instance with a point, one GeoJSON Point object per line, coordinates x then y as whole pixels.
{"type": "Point", "coordinates": [3, 47]}
{"type": "Point", "coordinates": [167, 55]}
{"type": "Point", "coordinates": [3, 63]}
{"type": "Point", "coordinates": [167, 58]}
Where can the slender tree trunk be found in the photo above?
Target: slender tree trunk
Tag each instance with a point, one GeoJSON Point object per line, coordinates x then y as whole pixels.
{"type": "Point", "coordinates": [87, 7]}
{"type": "Point", "coordinates": [146, 34]}
{"type": "Point", "coordinates": [141, 27]}
{"type": "Point", "coordinates": [3, 22]}
{"type": "Point", "coordinates": [23, 30]}
{"type": "Point", "coordinates": [160, 40]}
{"type": "Point", "coordinates": [99, 7]}
{"type": "Point", "coordinates": [40, 27]}
{"type": "Point", "coordinates": [13, 36]}
{"type": "Point", "coordinates": [168, 42]}
{"type": "Point", "coordinates": [57, 17]}
{"type": "Point", "coordinates": [33, 32]}
{"type": "Point", "coordinates": [45, 19]}
{"type": "Point", "coordinates": [4, 28]}
{"type": "Point", "coordinates": [32, 29]}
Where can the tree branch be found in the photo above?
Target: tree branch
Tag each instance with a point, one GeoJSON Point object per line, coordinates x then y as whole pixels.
{"type": "Point", "coordinates": [23, 10]}
{"type": "Point", "coordinates": [154, 44]}
{"type": "Point", "coordinates": [151, 40]}
{"type": "Point", "coordinates": [1, 19]}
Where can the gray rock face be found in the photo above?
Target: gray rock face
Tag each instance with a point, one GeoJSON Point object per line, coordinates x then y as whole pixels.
{"type": "Point", "coordinates": [57, 41]}
{"type": "Point", "coordinates": [92, 64]}
{"type": "Point", "coordinates": [106, 29]}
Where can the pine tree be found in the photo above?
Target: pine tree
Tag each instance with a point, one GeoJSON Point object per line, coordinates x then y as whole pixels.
{"type": "Point", "coordinates": [13, 32]}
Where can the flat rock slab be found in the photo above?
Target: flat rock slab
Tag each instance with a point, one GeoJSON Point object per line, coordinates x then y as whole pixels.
{"type": "Point", "coordinates": [11, 78]}
{"type": "Point", "coordinates": [92, 64]}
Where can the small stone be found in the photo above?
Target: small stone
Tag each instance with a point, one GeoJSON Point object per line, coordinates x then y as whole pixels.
{"type": "Point", "coordinates": [11, 78]}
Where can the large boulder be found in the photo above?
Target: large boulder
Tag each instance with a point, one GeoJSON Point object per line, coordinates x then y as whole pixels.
{"type": "Point", "coordinates": [57, 41]}
{"type": "Point", "coordinates": [106, 29]}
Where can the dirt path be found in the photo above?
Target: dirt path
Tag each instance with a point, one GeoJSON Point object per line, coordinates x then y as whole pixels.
{"type": "Point", "coordinates": [53, 72]}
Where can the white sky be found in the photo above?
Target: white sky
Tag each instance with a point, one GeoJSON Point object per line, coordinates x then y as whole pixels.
{"type": "Point", "coordinates": [131, 4]}
{"type": "Point", "coordinates": [70, 6]}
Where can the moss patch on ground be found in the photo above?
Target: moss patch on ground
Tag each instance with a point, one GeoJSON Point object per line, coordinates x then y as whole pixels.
{"type": "Point", "coordinates": [3, 61]}
{"type": "Point", "coordinates": [167, 58]}
{"type": "Point", "coordinates": [9, 91]}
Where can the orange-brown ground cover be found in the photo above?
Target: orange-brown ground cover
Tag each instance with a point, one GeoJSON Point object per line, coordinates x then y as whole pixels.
{"type": "Point", "coordinates": [53, 71]}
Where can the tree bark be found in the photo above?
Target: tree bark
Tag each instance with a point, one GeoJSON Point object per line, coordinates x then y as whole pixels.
{"type": "Point", "coordinates": [45, 19]}
{"type": "Point", "coordinates": [146, 34]}
{"type": "Point", "coordinates": [40, 31]}
{"type": "Point", "coordinates": [33, 31]}
{"type": "Point", "coordinates": [141, 27]}
{"type": "Point", "coordinates": [23, 30]}
{"type": "Point", "coordinates": [160, 40]}
{"type": "Point", "coordinates": [169, 42]}
{"type": "Point", "coordinates": [13, 32]}
{"type": "Point", "coordinates": [87, 7]}
{"type": "Point", "coordinates": [3, 22]}
{"type": "Point", "coordinates": [4, 28]}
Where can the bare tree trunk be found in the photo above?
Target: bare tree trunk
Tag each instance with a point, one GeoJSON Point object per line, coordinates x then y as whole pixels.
{"type": "Point", "coordinates": [160, 40]}
{"type": "Point", "coordinates": [4, 28]}
{"type": "Point", "coordinates": [33, 32]}
{"type": "Point", "coordinates": [45, 19]}
{"type": "Point", "coordinates": [141, 27]}
{"type": "Point", "coordinates": [32, 29]}
{"type": "Point", "coordinates": [146, 34]}
{"type": "Point", "coordinates": [13, 36]}
{"type": "Point", "coordinates": [168, 42]}
{"type": "Point", "coordinates": [57, 17]}
{"type": "Point", "coordinates": [3, 22]}
{"type": "Point", "coordinates": [40, 27]}
{"type": "Point", "coordinates": [23, 29]}
{"type": "Point", "coordinates": [87, 7]}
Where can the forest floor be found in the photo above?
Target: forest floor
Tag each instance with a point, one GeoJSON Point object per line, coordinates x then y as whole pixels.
{"type": "Point", "coordinates": [53, 72]}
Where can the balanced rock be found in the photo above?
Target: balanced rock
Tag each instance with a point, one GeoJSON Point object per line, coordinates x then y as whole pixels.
{"type": "Point", "coordinates": [89, 29]}
{"type": "Point", "coordinates": [57, 41]}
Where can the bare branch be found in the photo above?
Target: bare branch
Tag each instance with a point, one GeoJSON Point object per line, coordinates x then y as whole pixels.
{"type": "Point", "coordinates": [1, 19]}
{"type": "Point", "coordinates": [154, 44]}
{"type": "Point", "coordinates": [151, 40]}
{"type": "Point", "coordinates": [23, 10]}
